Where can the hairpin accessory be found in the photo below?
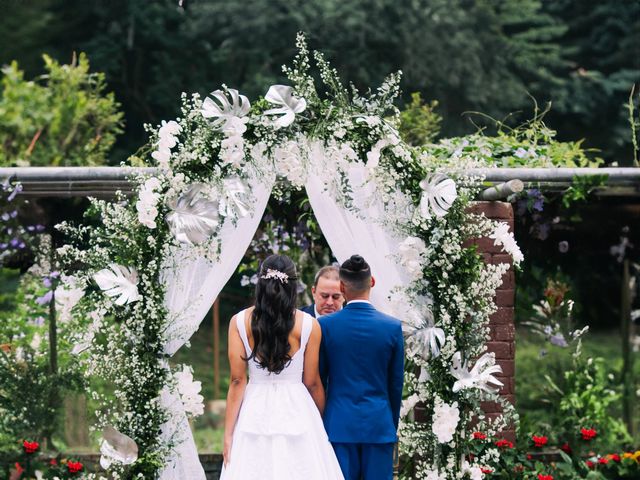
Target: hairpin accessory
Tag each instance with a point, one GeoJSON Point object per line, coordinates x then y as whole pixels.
{"type": "Point", "coordinates": [276, 274]}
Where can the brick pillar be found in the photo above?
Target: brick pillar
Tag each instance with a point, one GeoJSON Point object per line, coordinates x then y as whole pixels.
{"type": "Point", "coordinates": [502, 326]}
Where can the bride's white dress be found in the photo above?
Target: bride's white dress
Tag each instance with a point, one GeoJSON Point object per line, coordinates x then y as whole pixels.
{"type": "Point", "coordinates": [279, 433]}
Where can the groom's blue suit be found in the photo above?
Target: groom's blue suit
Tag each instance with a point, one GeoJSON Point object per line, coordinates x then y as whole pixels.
{"type": "Point", "coordinates": [362, 361]}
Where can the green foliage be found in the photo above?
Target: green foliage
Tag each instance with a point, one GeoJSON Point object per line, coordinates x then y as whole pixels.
{"type": "Point", "coordinates": [579, 56]}
{"type": "Point", "coordinates": [64, 118]}
{"type": "Point", "coordinates": [419, 123]}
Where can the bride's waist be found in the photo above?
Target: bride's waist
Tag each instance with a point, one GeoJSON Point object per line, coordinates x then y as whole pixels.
{"type": "Point", "coordinates": [289, 378]}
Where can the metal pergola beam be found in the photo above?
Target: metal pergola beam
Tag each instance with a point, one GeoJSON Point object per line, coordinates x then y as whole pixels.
{"type": "Point", "coordinates": [105, 181]}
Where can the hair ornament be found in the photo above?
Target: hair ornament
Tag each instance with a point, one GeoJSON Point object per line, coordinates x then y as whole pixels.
{"type": "Point", "coordinates": [277, 275]}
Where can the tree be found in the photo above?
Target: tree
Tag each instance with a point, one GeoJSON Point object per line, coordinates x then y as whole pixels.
{"type": "Point", "coordinates": [63, 118]}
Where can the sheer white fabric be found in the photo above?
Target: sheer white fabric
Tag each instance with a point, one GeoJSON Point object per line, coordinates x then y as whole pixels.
{"type": "Point", "coordinates": [349, 234]}
{"type": "Point", "coordinates": [192, 286]}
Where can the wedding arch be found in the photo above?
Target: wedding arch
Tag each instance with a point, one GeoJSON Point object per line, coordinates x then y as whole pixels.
{"type": "Point", "coordinates": [156, 262]}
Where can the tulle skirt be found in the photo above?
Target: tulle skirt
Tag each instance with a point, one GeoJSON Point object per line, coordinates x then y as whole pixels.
{"type": "Point", "coordinates": [279, 435]}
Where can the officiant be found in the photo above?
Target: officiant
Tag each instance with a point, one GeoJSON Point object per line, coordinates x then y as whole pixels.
{"type": "Point", "coordinates": [326, 294]}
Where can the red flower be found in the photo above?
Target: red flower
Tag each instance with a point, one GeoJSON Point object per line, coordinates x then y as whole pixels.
{"type": "Point", "coordinates": [539, 441]}
{"type": "Point", "coordinates": [588, 433]}
{"type": "Point", "coordinates": [486, 470]}
{"type": "Point", "coordinates": [566, 448]}
{"type": "Point", "coordinates": [590, 464]}
{"type": "Point", "coordinates": [479, 436]}
{"type": "Point", "coordinates": [545, 477]}
{"type": "Point", "coordinates": [19, 468]}
{"type": "Point", "coordinates": [74, 467]}
{"type": "Point", "coordinates": [53, 462]}
{"type": "Point", "coordinates": [529, 456]}
{"type": "Point", "coordinates": [603, 460]}
{"type": "Point", "coordinates": [615, 457]}
{"type": "Point", "coordinates": [30, 447]}
{"type": "Point", "coordinates": [504, 443]}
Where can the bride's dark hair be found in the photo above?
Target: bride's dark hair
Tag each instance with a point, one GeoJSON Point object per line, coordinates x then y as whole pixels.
{"type": "Point", "coordinates": [274, 315]}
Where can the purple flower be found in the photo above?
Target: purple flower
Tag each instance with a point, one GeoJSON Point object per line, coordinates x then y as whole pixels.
{"type": "Point", "coordinates": [3, 246]}
{"type": "Point", "coordinates": [30, 228]}
{"type": "Point", "coordinates": [14, 214]}
{"type": "Point", "coordinates": [40, 228]}
{"type": "Point", "coordinates": [47, 282]}
{"type": "Point", "coordinates": [15, 192]}
{"type": "Point", "coordinates": [38, 321]}
{"type": "Point", "coordinates": [563, 246]}
{"type": "Point", "coordinates": [54, 274]}
{"type": "Point", "coordinates": [14, 242]}
{"type": "Point", "coordinates": [21, 245]}
{"type": "Point", "coordinates": [45, 299]}
{"type": "Point", "coordinates": [5, 217]}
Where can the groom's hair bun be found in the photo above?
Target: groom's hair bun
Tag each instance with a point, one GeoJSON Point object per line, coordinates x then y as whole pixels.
{"type": "Point", "coordinates": [355, 273]}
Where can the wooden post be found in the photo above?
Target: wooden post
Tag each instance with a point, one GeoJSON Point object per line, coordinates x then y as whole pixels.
{"type": "Point", "coordinates": [627, 357]}
{"type": "Point", "coordinates": [216, 349]}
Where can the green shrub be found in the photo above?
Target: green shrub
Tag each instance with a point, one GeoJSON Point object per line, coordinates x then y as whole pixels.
{"type": "Point", "coordinates": [63, 118]}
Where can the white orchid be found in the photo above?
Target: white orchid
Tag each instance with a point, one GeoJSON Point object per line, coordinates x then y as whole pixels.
{"type": "Point", "coordinates": [228, 109]}
{"type": "Point", "coordinates": [408, 404]}
{"type": "Point", "coordinates": [189, 391]}
{"type": "Point", "coordinates": [438, 194]}
{"type": "Point", "coordinates": [502, 236]}
{"type": "Point", "coordinates": [289, 104]}
{"type": "Point", "coordinates": [117, 447]}
{"type": "Point", "coordinates": [480, 376]}
{"type": "Point", "coordinates": [445, 420]}
{"type": "Point", "coordinates": [412, 251]}
{"type": "Point", "coordinates": [119, 281]}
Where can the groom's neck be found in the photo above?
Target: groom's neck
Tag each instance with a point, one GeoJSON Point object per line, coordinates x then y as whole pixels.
{"type": "Point", "coordinates": [361, 296]}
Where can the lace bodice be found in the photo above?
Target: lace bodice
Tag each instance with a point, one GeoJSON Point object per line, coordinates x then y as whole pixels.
{"type": "Point", "coordinates": [292, 373]}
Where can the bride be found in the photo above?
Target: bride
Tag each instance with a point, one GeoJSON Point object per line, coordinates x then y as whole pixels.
{"type": "Point", "coordinates": [273, 424]}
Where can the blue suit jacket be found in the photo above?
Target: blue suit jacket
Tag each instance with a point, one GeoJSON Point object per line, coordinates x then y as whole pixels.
{"type": "Point", "coordinates": [310, 309]}
{"type": "Point", "coordinates": [362, 359]}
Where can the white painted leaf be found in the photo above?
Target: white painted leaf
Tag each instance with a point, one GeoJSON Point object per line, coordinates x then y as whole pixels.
{"type": "Point", "coordinates": [289, 105]}
{"type": "Point", "coordinates": [225, 106]}
{"type": "Point", "coordinates": [481, 376]}
{"type": "Point", "coordinates": [439, 193]}
{"type": "Point", "coordinates": [118, 281]}
{"type": "Point", "coordinates": [117, 447]}
{"type": "Point", "coordinates": [193, 218]}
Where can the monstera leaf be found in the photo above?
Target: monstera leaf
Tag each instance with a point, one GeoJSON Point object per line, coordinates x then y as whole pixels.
{"type": "Point", "coordinates": [117, 447]}
{"type": "Point", "coordinates": [193, 219]}
{"type": "Point", "coordinates": [225, 106]}
{"type": "Point", "coordinates": [439, 193]}
{"type": "Point", "coordinates": [289, 105]}
{"type": "Point", "coordinates": [119, 281]}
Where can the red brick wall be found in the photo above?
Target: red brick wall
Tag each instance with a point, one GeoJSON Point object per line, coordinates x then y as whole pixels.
{"type": "Point", "coordinates": [502, 326]}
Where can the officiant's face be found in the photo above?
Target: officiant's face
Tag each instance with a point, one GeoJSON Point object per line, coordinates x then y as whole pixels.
{"type": "Point", "coordinates": [327, 296]}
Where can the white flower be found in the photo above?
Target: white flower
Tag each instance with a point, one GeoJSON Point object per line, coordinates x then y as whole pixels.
{"type": "Point", "coordinates": [411, 252]}
{"type": "Point", "coordinates": [408, 404]}
{"type": "Point", "coordinates": [189, 391]}
{"type": "Point", "coordinates": [288, 160]}
{"type": "Point", "coordinates": [67, 296]}
{"type": "Point", "coordinates": [169, 128]}
{"type": "Point", "coordinates": [480, 376]}
{"type": "Point", "coordinates": [289, 105]}
{"type": "Point", "coordinates": [475, 473]}
{"type": "Point", "coordinates": [502, 236]}
{"type": "Point", "coordinates": [235, 126]}
{"type": "Point", "coordinates": [445, 420]}
{"type": "Point", "coordinates": [147, 201]}
{"type": "Point", "coordinates": [232, 151]}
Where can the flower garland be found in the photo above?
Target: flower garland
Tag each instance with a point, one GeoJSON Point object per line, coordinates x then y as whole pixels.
{"type": "Point", "coordinates": [203, 161]}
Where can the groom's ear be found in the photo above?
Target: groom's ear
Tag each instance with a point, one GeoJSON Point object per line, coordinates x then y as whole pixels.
{"type": "Point", "coordinates": [373, 281]}
{"type": "Point", "coordinates": [342, 288]}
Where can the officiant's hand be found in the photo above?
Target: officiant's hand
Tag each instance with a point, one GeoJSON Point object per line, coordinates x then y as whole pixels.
{"type": "Point", "coordinates": [226, 450]}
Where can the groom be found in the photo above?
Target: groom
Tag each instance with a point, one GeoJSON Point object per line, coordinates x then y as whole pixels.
{"type": "Point", "coordinates": [363, 358]}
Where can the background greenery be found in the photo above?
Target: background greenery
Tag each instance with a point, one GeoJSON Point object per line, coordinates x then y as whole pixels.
{"type": "Point", "coordinates": [468, 55]}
